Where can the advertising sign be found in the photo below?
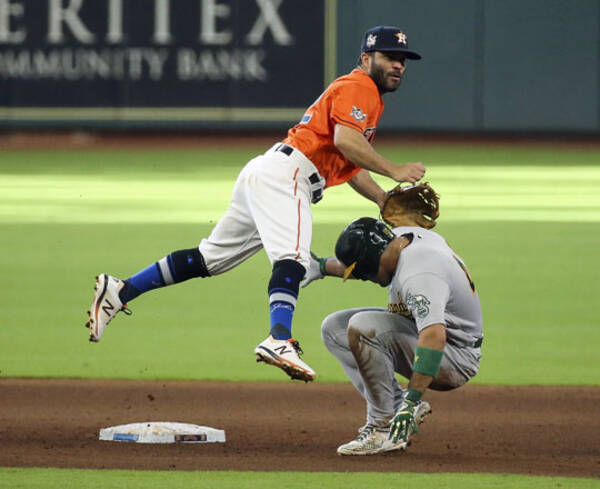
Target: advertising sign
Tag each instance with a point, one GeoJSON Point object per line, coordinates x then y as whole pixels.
{"type": "Point", "coordinates": [162, 59]}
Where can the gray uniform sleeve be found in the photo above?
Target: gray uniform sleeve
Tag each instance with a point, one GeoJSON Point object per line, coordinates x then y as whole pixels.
{"type": "Point", "coordinates": [426, 295]}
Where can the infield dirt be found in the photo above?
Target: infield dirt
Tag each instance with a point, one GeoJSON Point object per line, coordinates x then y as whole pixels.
{"type": "Point", "coordinates": [292, 426]}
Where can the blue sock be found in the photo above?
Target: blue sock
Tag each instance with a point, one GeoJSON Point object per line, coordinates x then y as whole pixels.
{"type": "Point", "coordinates": [281, 313]}
{"type": "Point", "coordinates": [147, 279]}
{"type": "Point", "coordinates": [283, 294]}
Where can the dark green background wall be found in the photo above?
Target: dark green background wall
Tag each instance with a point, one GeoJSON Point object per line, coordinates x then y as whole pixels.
{"type": "Point", "coordinates": [488, 65]}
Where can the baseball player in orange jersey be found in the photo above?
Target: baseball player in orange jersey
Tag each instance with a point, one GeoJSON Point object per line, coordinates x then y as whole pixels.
{"type": "Point", "coordinates": [270, 205]}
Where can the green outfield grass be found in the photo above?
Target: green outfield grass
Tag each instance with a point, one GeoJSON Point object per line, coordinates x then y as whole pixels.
{"type": "Point", "coordinates": [526, 220]}
{"type": "Point", "coordinates": [129, 479]}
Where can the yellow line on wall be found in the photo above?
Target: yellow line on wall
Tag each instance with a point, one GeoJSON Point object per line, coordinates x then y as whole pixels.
{"type": "Point", "coordinates": [151, 113]}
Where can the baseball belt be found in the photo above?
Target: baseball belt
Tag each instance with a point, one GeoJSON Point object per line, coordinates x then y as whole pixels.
{"type": "Point", "coordinates": [315, 179]}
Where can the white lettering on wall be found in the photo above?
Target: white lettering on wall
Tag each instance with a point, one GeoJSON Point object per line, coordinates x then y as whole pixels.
{"type": "Point", "coordinates": [162, 22]}
{"type": "Point", "coordinates": [150, 52]}
{"type": "Point", "coordinates": [115, 22]}
{"type": "Point", "coordinates": [10, 9]}
{"type": "Point", "coordinates": [66, 19]}
{"type": "Point", "coordinates": [211, 11]}
{"type": "Point", "coordinates": [84, 64]}
{"type": "Point", "coordinates": [236, 64]}
{"type": "Point", "coordinates": [269, 19]}
{"type": "Point", "coordinates": [69, 16]}
{"type": "Point", "coordinates": [132, 64]}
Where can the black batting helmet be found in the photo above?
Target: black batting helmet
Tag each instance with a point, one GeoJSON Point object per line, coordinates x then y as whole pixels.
{"type": "Point", "coordinates": [360, 246]}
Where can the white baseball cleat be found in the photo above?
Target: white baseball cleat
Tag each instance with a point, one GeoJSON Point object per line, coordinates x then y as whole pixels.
{"type": "Point", "coordinates": [370, 441]}
{"type": "Point", "coordinates": [105, 305]}
{"type": "Point", "coordinates": [285, 354]}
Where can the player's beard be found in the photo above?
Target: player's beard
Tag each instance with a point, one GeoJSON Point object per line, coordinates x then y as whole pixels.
{"type": "Point", "coordinates": [382, 80]}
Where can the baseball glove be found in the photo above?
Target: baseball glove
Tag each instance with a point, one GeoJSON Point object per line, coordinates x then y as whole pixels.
{"type": "Point", "coordinates": [416, 203]}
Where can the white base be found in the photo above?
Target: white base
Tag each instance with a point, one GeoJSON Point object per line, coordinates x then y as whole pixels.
{"type": "Point", "coordinates": [162, 432]}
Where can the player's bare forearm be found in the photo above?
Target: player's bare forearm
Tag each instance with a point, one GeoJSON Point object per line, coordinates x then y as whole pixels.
{"type": "Point", "coordinates": [355, 147]}
{"type": "Point", "coordinates": [420, 382]}
{"type": "Point", "coordinates": [334, 267]}
{"type": "Point", "coordinates": [352, 144]}
{"type": "Point", "coordinates": [434, 338]}
{"type": "Point", "coordinates": [364, 184]}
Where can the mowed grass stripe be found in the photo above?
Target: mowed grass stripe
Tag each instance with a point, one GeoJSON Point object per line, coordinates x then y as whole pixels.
{"type": "Point", "coordinates": [473, 193]}
{"type": "Point", "coordinates": [127, 479]}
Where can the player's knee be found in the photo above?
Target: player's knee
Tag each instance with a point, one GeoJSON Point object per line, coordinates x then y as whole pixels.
{"type": "Point", "coordinates": [328, 325]}
{"type": "Point", "coordinates": [286, 275]}
{"type": "Point", "coordinates": [334, 325]}
{"type": "Point", "coordinates": [330, 328]}
{"type": "Point", "coordinates": [357, 330]}
{"type": "Point", "coordinates": [360, 325]}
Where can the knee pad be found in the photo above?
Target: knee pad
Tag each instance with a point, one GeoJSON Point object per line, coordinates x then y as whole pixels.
{"type": "Point", "coordinates": [187, 264]}
{"type": "Point", "coordinates": [286, 277]}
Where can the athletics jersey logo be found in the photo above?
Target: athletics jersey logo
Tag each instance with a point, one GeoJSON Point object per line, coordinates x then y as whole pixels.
{"type": "Point", "coordinates": [418, 304]}
{"type": "Point", "coordinates": [358, 114]}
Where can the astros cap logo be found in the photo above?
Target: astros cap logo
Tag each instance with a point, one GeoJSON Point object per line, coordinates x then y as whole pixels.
{"type": "Point", "coordinates": [401, 37]}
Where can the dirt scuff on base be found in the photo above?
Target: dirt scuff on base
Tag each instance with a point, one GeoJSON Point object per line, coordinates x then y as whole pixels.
{"type": "Point", "coordinates": [296, 427]}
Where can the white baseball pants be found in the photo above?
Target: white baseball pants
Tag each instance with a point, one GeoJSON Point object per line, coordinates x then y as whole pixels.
{"type": "Point", "coordinates": [270, 209]}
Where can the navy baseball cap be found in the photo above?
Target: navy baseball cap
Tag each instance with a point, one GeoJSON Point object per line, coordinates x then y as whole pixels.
{"type": "Point", "coordinates": [387, 38]}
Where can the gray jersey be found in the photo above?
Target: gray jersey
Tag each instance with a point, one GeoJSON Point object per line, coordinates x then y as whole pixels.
{"type": "Point", "coordinates": [432, 284]}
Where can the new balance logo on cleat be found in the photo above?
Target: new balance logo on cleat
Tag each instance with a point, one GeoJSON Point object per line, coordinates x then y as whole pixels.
{"type": "Point", "coordinates": [285, 354]}
{"type": "Point", "coordinates": [106, 299]}
{"type": "Point", "coordinates": [282, 350]}
{"type": "Point", "coordinates": [107, 307]}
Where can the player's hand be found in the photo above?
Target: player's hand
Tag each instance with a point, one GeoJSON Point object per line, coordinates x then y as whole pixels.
{"type": "Point", "coordinates": [404, 424]}
{"type": "Point", "coordinates": [315, 270]}
{"type": "Point", "coordinates": [409, 172]}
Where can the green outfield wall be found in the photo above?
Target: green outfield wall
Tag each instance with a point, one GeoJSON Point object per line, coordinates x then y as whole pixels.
{"type": "Point", "coordinates": [488, 65]}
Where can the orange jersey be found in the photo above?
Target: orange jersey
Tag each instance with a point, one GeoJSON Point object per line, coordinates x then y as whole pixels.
{"type": "Point", "coordinates": [352, 100]}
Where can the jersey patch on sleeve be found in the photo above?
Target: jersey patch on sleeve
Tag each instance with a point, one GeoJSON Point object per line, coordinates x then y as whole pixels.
{"type": "Point", "coordinates": [306, 119]}
{"type": "Point", "coordinates": [418, 304]}
{"type": "Point", "coordinates": [358, 114]}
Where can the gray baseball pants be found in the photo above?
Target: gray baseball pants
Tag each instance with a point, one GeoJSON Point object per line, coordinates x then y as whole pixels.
{"type": "Point", "coordinates": [387, 345]}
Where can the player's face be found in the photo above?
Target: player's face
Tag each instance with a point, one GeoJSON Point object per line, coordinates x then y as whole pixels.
{"type": "Point", "coordinates": [387, 69]}
{"type": "Point", "coordinates": [383, 277]}
{"type": "Point", "coordinates": [387, 264]}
